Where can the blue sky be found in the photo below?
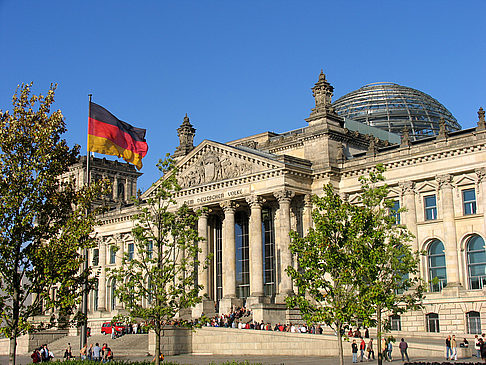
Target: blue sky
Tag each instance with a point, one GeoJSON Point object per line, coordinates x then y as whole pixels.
{"type": "Point", "coordinates": [236, 67]}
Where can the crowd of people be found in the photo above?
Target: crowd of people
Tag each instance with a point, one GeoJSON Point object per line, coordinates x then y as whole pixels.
{"type": "Point", "coordinates": [96, 353]}
{"type": "Point", "coordinates": [42, 354]}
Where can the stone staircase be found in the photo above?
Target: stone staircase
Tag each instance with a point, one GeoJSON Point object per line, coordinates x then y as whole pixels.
{"type": "Point", "coordinates": [127, 345]}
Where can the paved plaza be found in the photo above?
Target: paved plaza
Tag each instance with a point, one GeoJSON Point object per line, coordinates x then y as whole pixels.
{"type": "Point", "coordinates": [267, 360]}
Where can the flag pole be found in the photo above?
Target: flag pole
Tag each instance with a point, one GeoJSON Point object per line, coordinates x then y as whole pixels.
{"type": "Point", "coordinates": [83, 338]}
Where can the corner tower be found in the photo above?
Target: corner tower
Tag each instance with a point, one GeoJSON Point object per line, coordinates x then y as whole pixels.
{"type": "Point", "coordinates": [186, 133]}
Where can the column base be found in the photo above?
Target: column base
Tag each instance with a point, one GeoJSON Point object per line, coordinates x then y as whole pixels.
{"type": "Point", "coordinates": [206, 307]}
{"type": "Point", "coordinates": [452, 290]}
{"type": "Point", "coordinates": [280, 297]}
{"type": "Point", "coordinates": [227, 304]}
{"type": "Point", "coordinates": [255, 299]}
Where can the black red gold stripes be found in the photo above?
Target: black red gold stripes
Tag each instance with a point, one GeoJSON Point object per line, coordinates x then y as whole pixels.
{"type": "Point", "coordinates": [110, 136]}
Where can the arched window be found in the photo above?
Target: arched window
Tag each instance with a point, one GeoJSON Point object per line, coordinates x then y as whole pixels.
{"type": "Point", "coordinates": [437, 266]}
{"type": "Point", "coordinates": [476, 262]}
{"type": "Point", "coordinates": [432, 322]}
{"type": "Point", "coordinates": [473, 322]}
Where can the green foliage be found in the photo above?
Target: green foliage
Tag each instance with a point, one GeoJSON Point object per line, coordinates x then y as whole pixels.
{"type": "Point", "coordinates": [43, 217]}
{"type": "Point", "coordinates": [160, 280]}
{"type": "Point", "coordinates": [356, 262]}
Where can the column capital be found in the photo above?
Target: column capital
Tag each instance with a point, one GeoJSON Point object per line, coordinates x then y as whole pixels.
{"type": "Point", "coordinates": [228, 206]}
{"type": "Point", "coordinates": [284, 196]}
{"type": "Point", "coordinates": [308, 200]}
{"type": "Point", "coordinates": [481, 173]}
{"type": "Point", "coordinates": [254, 201]}
{"type": "Point", "coordinates": [203, 211]}
{"type": "Point", "coordinates": [407, 187]}
{"type": "Point", "coordinates": [444, 181]}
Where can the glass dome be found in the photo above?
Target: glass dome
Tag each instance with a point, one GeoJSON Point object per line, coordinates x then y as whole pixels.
{"type": "Point", "coordinates": [392, 107]}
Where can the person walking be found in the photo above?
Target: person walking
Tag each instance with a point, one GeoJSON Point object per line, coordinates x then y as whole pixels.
{"type": "Point", "coordinates": [370, 350]}
{"type": "Point", "coordinates": [448, 348]}
{"type": "Point", "coordinates": [384, 348]}
{"type": "Point", "coordinates": [83, 351]}
{"type": "Point", "coordinates": [389, 349]}
{"type": "Point", "coordinates": [477, 346]}
{"type": "Point", "coordinates": [354, 349]}
{"type": "Point", "coordinates": [403, 346]}
{"type": "Point", "coordinates": [482, 347]}
{"type": "Point", "coordinates": [362, 348]}
{"type": "Point", "coordinates": [97, 352]}
{"type": "Point", "coordinates": [68, 353]}
{"type": "Point", "coordinates": [453, 348]}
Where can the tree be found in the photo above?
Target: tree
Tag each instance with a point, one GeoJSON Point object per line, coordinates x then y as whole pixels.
{"type": "Point", "coordinates": [163, 270]}
{"type": "Point", "coordinates": [356, 261]}
{"type": "Point", "coordinates": [43, 218]}
{"type": "Point", "coordinates": [327, 283]}
{"type": "Point", "coordinates": [390, 280]}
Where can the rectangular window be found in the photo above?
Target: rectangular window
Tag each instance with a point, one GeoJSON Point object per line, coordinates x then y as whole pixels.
{"type": "Point", "coordinates": [150, 250]}
{"type": "Point", "coordinates": [218, 248]}
{"type": "Point", "coordinates": [469, 201]}
{"type": "Point", "coordinates": [430, 203]}
{"type": "Point", "coordinates": [242, 245]}
{"type": "Point", "coordinates": [394, 212]}
{"type": "Point", "coordinates": [96, 257]}
{"type": "Point", "coordinates": [268, 233]}
{"type": "Point", "coordinates": [131, 251]}
{"type": "Point", "coordinates": [395, 323]}
{"type": "Point", "coordinates": [112, 254]}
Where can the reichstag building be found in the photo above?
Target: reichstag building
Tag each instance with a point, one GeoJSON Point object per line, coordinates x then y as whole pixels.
{"type": "Point", "coordinates": [257, 188]}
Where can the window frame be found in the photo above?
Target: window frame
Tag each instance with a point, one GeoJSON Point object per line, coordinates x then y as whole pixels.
{"type": "Point", "coordinates": [432, 318]}
{"type": "Point", "coordinates": [469, 203]}
{"type": "Point", "coordinates": [431, 208]}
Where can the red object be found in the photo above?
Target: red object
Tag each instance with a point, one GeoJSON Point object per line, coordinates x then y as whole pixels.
{"type": "Point", "coordinates": [110, 136]}
{"type": "Point", "coordinates": [107, 327]}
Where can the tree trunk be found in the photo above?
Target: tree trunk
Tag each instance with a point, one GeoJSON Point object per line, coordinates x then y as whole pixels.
{"type": "Point", "coordinates": [378, 334]}
{"type": "Point", "coordinates": [340, 343]}
{"type": "Point", "coordinates": [157, 344]}
{"type": "Point", "coordinates": [15, 319]}
{"type": "Point", "coordinates": [13, 350]}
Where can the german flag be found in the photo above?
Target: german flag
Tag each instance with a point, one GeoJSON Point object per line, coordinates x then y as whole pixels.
{"type": "Point", "coordinates": [110, 136]}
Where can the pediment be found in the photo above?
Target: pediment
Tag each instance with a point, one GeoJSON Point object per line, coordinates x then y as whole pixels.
{"type": "Point", "coordinates": [426, 186]}
{"type": "Point", "coordinates": [211, 162]}
{"type": "Point", "coordinates": [465, 180]}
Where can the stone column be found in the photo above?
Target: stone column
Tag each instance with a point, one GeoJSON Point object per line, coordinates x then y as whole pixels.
{"type": "Point", "coordinates": [102, 278]}
{"type": "Point", "coordinates": [307, 214]}
{"type": "Point", "coordinates": [481, 193]}
{"type": "Point", "coordinates": [115, 188]}
{"type": "Point", "coordinates": [409, 218]}
{"type": "Point", "coordinates": [228, 250]}
{"type": "Point", "coordinates": [118, 261]}
{"type": "Point", "coordinates": [202, 228]}
{"type": "Point", "coordinates": [285, 288]}
{"type": "Point", "coordinates": [450, 236]}
{"type": "Point", "coordinates": [229, 259]}
{"type": "Point", "coordinates": [256, 249]}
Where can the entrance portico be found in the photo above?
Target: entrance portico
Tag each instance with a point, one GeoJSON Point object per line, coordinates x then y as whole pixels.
{"type": "Point", "coordinates": [247, 201]}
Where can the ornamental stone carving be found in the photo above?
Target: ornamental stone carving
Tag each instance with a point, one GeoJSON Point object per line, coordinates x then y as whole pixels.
{"type": "Point", "coordinates": [444, 181]}
{"type": "Point", "coordinates": [407, 187]}
{"type": "Point", "coordinates": [228, 206]}
{"type": "Point", "coordinates": [284, 195]}
{"type": "Point", "coordinates": [214, 167]}
{"type": "Point", "coordinates": [481, 173]}
{"type": "Point", "coordinates": [254, 200]}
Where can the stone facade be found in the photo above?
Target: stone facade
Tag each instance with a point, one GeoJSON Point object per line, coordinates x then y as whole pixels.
{"type": "Point", "coordinates": [258, 187]}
